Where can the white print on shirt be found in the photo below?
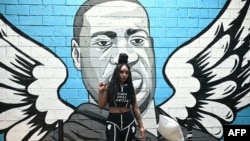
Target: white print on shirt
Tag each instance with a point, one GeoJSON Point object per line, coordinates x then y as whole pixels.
{"type": "Point", "coordinates": [121, 97]}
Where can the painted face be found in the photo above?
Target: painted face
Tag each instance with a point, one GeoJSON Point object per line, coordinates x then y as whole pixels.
{"type": "Point", "coordinates": [112, 28]}
{"type": "Point", "coordinates": [123, 74]}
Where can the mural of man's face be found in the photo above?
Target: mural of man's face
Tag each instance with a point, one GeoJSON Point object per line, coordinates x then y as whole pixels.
{"type": "Point", "coordinates": [109, 29]}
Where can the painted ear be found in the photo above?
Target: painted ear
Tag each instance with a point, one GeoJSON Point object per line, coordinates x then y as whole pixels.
{"type": "Point", "coordinates": [75, 52]}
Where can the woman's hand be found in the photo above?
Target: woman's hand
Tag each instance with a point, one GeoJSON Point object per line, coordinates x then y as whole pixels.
{"type": "Point", "coordinates": [142, 133]}
{"type": "Point", "coordinates": [102, 97]}
{"type": "Point", "coordinates": [101, 87]}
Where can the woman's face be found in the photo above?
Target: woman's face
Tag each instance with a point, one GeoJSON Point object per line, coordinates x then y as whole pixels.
{"type": "Point", "coordinates": [123, 74]}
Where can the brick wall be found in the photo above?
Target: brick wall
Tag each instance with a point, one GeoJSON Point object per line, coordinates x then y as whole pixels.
{"type": "Point", "coordinates": [173, 24]}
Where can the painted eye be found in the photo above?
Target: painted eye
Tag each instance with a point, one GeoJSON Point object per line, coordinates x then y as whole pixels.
{"type": "Point", "coordinates": [104, 43]}
{"type": "Point", "coordinates": [137, 41]}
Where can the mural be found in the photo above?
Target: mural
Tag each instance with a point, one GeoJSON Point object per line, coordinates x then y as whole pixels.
{"type": "Point", "coordinates": [209, 74]}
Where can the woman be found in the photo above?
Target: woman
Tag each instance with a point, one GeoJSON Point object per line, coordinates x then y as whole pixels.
{"type": "Point", "coordinates": [121, 98]}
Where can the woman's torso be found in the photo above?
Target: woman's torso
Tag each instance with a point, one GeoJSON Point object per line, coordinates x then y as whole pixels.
{"type": "Point", "coordinates": [122, 101]}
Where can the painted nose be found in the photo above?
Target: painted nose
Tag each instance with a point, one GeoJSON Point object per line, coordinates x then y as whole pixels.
{"type": "Point", "coordinates": [123, 47]}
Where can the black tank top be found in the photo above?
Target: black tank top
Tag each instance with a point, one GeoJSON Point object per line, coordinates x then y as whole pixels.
{"type": "Point", "coordinates": [122, 99]}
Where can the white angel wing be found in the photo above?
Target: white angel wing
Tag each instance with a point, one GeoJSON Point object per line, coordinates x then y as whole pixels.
{"type": "Point", "coordinates": [211, 74]}
{"type": "Point", "coordinates": [30, 78]}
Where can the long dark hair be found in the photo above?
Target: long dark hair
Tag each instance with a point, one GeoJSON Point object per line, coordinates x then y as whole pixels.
{"type": "Point", "coordinates": [114, 83]}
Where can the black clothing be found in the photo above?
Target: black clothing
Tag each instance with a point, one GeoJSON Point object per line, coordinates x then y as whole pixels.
{"type": "Point", "coordinates": [121, 99]}
{"type": "Point", "coordinates": [120, 127]}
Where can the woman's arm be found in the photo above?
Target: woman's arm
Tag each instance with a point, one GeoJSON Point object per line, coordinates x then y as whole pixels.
{"type": "Point", "coordinates": [102, 95]}
{"type": "Point", "coordinates": [138, 118]}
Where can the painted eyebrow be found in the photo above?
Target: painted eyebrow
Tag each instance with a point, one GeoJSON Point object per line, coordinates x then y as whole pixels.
{"type": "Point", "coordinates": [133, 31]}
{"type": "Point", "coordinates": [110, 34]}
